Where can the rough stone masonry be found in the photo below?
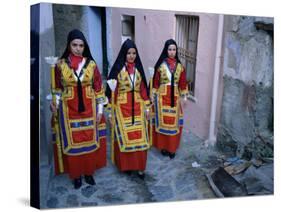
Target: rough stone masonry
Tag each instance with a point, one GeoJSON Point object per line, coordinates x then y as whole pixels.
{"type": "Point", "coordinates": [246, 123]}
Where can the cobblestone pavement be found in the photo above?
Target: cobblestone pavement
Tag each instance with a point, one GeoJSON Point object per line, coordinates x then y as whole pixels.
{"type": "Point", "coordinates": [166, 180]}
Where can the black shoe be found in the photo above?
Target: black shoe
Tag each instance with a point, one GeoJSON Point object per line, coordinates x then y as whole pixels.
{"type": "Point", "coordinates": [90, 180]}
{"type": "Point", "coordinates": [77, 183]}
{"type": "Point", "coordinates": [172, 155]}
{"type": "Point", "coordinates": [141, 175]}
{"type": "Point", "coordinates": [129, 173]}
{"type": "Point", "coordinates": [164, 152]}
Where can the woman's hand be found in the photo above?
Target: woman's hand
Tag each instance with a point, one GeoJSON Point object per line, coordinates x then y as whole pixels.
{"type": "Point", "coordinates": [53, 107]}
{"type": "Point", "coordinates": [152, 98]}
{"type": "Point", "coordinates": [147, 114]}
{"type": "Point", "coordinates": [99, 116]}
{"type": "Point", "coordinates": [110, 120]}
{"type": "Point", "coordinates": [184, 102]}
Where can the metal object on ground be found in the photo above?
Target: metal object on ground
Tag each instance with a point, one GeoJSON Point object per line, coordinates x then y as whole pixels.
{"type": "Point", "coordinates": [224, 185]}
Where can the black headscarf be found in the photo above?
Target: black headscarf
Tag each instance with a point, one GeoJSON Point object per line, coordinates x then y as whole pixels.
{"type": "Point", "coordinates": [162, 57]}
{"type": "Point", "coordinates": [164, 54]}
{"type": "Point", "coordinates": [120, 63]}
{"type": "Point", "coordinates": [77, 34]}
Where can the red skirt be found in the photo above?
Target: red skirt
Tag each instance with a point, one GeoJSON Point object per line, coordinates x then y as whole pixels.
{"type": "Point", "coordinates": [169, 143]}
{"type": "Point", "coordinates": [85, 164]}
{"type": "Point", "coordinates": [129, 161]}
{"type": "Point", "coordinates": [166, 142]}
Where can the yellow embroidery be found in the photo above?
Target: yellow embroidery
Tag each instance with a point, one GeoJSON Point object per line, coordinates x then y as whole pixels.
{"type": "Point", "coordinates": [124, 124]}
{"type": "Point", "coordinates": [166, 110]}
{"type": "Point", "coordinates": [164, 79]}
{"type": "Point", "coordinates": [69, 83]}
{"type": "Point", "coordinates": [124, 85]}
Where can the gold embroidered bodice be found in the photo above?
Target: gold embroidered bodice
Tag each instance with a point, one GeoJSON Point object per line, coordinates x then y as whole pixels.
{"type": "Point", "coordinates": [124, 81]}
{"type": "Point", "coordinates": [69, 79]}
{"type": "Point", "coordinates": [163, 69]}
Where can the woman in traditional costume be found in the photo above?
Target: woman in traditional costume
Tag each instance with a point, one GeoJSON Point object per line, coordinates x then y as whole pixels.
{"type": "Point", "coordinates": [131, 109]}
{"type": "Point", "coordinates": [169, 90]}
{"type": "Point", "coordinates": [80, 99]}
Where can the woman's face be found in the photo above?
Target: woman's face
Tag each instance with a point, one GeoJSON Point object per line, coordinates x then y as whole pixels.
{"type": "Point", "coordinates": [131, 55]}
{"type": "Point", "coordinates": [172, 50]}
{"type": "Point", "coordinates": [77, 47]}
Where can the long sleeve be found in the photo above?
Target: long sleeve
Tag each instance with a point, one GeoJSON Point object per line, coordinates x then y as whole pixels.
{"type": "Point", "coordinates": [58, 83]}
{"type": "Point", "coordinates": [57, 88]}
{"type": "Point", "coordinates": [98, 87]}
{"type": "Point", "coordinates": [156, 80]}
{"type": "Point", "coordinates": [143, 93]}
{"type": "Point", "coordinates": [183, 86]}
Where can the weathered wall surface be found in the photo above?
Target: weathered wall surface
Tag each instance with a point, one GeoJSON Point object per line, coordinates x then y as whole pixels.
{"type": "Point", "coordinates": [246, 125]}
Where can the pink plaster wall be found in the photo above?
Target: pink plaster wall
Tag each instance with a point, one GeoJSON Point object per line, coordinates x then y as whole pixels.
{"type": "Point", "coordinates": [198, 113]}
{"type": "Point", "coordinates": [151, 32]}
{"type": "Point", "coordinates": [152, 29]}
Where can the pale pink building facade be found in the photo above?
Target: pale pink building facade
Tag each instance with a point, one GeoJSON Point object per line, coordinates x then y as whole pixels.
{"type": "Point", "coordinates": [151, 29]}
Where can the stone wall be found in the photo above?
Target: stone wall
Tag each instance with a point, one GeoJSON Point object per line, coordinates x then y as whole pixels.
{"type": "Point", "coordinates": [85, 18]}
{"type": "Point", "coordinates": [246, 124]}
{"type": "Point", "coordinates": [66, 18]}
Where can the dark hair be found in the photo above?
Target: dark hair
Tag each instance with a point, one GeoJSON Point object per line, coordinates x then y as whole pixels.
{"type": "Point", "coordinates": [164, 53]}
{"type": "Point", "coordinates": [77, 34]}
{"type": "Point", "coordinates": [162, 57]}
{"type": "Point", "coordinates": [120, 62]}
